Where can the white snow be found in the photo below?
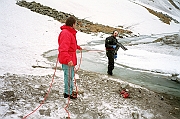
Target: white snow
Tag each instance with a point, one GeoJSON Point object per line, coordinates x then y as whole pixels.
{"type": "Point", "coordinates": [25, 35]}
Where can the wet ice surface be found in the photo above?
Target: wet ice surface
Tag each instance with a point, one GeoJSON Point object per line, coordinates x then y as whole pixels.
{"type": "Point", "coordinates": [99, 98]}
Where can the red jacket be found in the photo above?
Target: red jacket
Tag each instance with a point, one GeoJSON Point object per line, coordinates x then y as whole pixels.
{"type": "Point", "coordinates": [67, 45]}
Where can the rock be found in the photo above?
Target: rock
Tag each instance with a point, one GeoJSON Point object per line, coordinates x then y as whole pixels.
{"type": "Point", "coordinates": [45, 112]}
{"type": "Point", "coordinates": [135, 115]}
{"type": "Point", "coordinates": [8, 95]}
{"type": "Point", "coordinates": [178, 38]}
{"type": "Point", "coordinates": [123, 86]}
{"type": "Point", "coordinates": [162, 98]}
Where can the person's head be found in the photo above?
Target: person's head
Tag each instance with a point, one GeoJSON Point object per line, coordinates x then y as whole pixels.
{"type": "Point", "coordinates": [70, 21]}
{"type": "Point", "coordinates": [115, 33]}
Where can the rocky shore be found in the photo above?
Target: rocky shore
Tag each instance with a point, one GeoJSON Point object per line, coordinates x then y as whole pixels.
{"type": "Point", "coordinates": [99, 98]}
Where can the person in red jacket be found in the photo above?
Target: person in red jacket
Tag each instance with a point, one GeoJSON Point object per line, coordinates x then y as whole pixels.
{"type": "Point", "coordinates": [67, 54]}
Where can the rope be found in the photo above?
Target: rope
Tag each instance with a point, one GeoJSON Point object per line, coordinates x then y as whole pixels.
{"type": "Point", "coordinates": [45, 95]}
{"type": "Point", "coordinates": [69, 80]}
{"type": "Point", "coordinates": [94, 50]}
{"type": "Point", "coordinates": [69, 83]}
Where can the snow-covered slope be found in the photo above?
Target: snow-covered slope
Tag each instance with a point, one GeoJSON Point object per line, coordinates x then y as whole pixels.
{"type": "Point", "coordinates": [172, 7]}
{"type": "Point", "coordinates": [119, 13]}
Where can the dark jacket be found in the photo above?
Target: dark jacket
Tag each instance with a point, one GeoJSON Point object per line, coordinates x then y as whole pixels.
{"type": "Point", "coordinates": [109, 42]}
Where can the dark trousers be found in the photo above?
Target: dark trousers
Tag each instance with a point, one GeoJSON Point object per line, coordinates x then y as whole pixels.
{"type": "Point", "coordinates": [110, 55]}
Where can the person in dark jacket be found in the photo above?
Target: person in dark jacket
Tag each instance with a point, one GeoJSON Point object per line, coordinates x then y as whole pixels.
{"type": "Point", "coordinates": [67, 54]}
{"type": "Point", "coordinates": [112, 45]}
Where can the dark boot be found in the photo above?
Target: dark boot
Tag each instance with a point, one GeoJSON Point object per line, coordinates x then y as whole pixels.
{"type": "Point", "coordinates": [110, 73]}
{"type": "Point", "coordinates": [71, 96]}
{"type": "Point", "coordinates": [110, 70]}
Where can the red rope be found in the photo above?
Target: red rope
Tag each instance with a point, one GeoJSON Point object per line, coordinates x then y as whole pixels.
{"type": "Point", "coordinates": [94, 50]}
{"type": "Point", "coordinates": [51, 87]}
{"type": "Point", "coordinates": [75, 80]}
{"type": "Point", "coordinates": [45, 95]}
{"type": "Point", "coordinates": [75, 86]}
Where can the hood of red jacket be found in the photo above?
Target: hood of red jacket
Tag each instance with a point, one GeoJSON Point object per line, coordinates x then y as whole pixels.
{"type": "Point", "coordinates": [70, 29]}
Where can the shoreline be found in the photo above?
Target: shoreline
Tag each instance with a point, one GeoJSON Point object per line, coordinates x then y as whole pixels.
{"type": "Point", "coordinates": [136, 93]}
{"type": "Point", "coordinates": [96, 92]}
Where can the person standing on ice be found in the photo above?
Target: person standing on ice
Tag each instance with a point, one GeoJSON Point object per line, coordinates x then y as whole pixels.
{"type": "Point", "coordinates": [67, 54]}
{"type": "Point", "coordinates": [112, 45]}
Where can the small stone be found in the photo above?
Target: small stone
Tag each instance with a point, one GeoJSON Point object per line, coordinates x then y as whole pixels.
{"type": "Point", "coordinates": [135, 115]}
{"type": "Point", "coordinates": [162, 98]}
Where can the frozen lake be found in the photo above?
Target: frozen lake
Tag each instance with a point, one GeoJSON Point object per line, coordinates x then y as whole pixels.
{"type": "Point", "coordinates": [96, 61]}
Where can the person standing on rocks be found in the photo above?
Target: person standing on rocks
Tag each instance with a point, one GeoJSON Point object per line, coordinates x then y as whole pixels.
{"type": "Point", "coordinates": [112, 45]}
{"type": "Point", "coordinates": [67, 54]}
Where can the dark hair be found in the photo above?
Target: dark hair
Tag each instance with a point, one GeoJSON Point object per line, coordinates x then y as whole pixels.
{"type": "Point", "coordinates": [70, 21]}
{"type": "Point", "coordinates": [114, 31]}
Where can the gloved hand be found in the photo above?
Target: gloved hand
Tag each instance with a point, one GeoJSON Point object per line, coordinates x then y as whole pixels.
{"type": "Point", "coordinates": [115, 56]}
{"type": "Point", "coordinates": [114, 46]}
